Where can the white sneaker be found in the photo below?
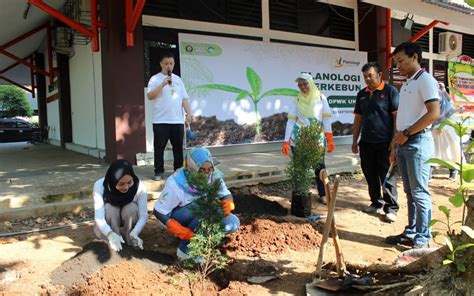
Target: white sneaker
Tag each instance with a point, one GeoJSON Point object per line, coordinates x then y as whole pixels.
{"type": "Point", "coordinates": [391, 217]}
{"type": "Point", "coordinates": [183, 256]}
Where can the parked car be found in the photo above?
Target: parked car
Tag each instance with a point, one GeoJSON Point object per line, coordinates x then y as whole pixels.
{"type": "Point", "coordinates": [18, 130]}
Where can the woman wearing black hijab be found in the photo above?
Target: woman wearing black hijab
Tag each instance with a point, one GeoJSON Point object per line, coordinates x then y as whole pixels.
{"type": "Point", "coordinates": [120, 199]}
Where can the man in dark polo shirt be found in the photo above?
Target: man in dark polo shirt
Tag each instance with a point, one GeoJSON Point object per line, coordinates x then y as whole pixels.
{"type": "Point", "coordinates": [374, 115]}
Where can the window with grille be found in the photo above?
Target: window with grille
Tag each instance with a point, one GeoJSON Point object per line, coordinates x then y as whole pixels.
{"type": "Point", "coordinates": [312, 18]}
{"type": "Point", "coordinates": [233, 12]}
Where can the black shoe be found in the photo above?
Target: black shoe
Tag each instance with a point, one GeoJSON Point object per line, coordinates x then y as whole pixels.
{"type": "Point", "coordinates": [158, 177]}
{"type": "Point", "coordinates": [400, 239]}
{"type": "Point", "coordinates": [453, 174]}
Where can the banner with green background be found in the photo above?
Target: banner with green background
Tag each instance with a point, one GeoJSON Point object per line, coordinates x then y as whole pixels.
{"type": "Point", "coordinates": [250, 85]}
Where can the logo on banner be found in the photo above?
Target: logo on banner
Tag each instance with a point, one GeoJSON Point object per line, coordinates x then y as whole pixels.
{"type": "Point", "coordinates": [340, 62]}
{"type": "Point", "coordinates": [201, 49]}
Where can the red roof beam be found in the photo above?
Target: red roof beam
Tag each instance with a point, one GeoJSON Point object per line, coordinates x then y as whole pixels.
{"type": "Point", "coordinates": [132, 14]}
{"type": "Point", "coordinates": [24, 36]}
{"type": "Point", "coordinates": [91, 33]}
{"type": "Point", "coordinates": [426, 29]}
{"type": "Point", "coordinates": [18, 60]}
{"type": "Point", "coordinates": [9, 67]}
{"type": "Point", "coordinates": [24, 62]}
{"type": "Point", "coordinates": [15, 83]}
{"type": "Point", "coordinates": [423, 32]}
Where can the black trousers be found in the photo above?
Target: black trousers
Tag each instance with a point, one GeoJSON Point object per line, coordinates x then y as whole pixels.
{"type": "Point", "coordinates": [162, 132]}
{"type": "Point", "coordinates": [375, 162]}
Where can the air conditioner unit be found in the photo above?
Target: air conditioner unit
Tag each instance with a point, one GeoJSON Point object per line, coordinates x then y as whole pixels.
{"type": "Point", "coordinates": [450, 43]}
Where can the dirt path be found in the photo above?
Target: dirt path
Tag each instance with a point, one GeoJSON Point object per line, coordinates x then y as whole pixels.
{"type": "Point", "coordinates": [268, 243]}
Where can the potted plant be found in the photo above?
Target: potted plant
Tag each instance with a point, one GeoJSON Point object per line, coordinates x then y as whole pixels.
{"type": "Point", "coordinates": [307, 154]}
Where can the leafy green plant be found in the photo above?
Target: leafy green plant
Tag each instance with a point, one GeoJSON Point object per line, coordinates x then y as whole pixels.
{"type": "Point", "coordinates": [306, 156]}
{"type": "Point", "coordinates": [13, 102]}
{"type": "Point", "coordinates": [209, 234]}
{"type": "Point", "coordinates": [254, 94]}
{"type": "Point", "coordinates": [460, 199]}
{"type": "Point", "coordinates": [451, 257]}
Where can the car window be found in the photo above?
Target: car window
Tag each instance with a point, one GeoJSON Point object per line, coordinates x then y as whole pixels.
{"type": "Point", "coordinates": [22, 124]}
{"type": "Point", "coordinates": [7, 124]}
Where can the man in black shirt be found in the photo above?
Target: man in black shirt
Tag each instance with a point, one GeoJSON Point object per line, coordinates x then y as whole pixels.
{"type": "Point", "coordinates": [374, 115]}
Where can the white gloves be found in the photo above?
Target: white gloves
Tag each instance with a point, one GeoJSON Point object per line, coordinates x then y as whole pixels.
{"type": "Point", "coordinates": [115, 241]}
{"type": "Point", "coordinates": [137, 242]}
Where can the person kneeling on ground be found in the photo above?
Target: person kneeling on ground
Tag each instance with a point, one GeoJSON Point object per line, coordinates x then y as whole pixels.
{"type": "Point", "coordinates": [174, 206]}
{"type": "Point", "coordinates": [120, 199]}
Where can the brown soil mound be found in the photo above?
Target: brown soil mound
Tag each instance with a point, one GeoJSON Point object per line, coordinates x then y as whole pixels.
{"type": "Point", "coordinates": [131, 278]}
{"type": "Point", "coordinates": [210, 131]}
{"type": "Point", "coordinates": [261, 236]}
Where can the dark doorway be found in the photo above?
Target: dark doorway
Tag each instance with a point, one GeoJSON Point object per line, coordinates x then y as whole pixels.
{"type": "Point", "coordinates": [64, 91]}
{"type": "Point", "coordinates": [156, 42]}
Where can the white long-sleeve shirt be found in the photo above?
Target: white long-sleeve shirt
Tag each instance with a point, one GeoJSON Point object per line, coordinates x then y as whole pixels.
{"type": "Point", "coordinates": [99, 207]}
{"type": "Point", "coordinates": [322, 113]}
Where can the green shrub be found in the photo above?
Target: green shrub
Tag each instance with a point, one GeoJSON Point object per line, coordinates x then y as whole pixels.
{"type": "Point", "coordinates": [307, 155]}
{"type": "Point", "coordinates": [13, 102]}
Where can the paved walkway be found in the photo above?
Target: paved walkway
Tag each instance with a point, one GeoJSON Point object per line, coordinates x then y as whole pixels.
{"type": "Point", "coordinates": [42, 179]}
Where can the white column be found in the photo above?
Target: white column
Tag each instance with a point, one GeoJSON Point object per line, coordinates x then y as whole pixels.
{"type": "Point", "coordinates": [266, 20]}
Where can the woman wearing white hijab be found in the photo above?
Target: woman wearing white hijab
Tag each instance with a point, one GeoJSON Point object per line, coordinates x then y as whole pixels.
{"type": "Point", "coordinates": [309, 106]}
{"type": "Point", "coordinates": [173, 207]}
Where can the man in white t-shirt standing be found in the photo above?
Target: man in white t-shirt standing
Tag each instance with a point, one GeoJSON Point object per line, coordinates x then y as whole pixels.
{"type": "Point", "coordinates": [169, 97]}
{"type": "Point", "coordinates": [413, 143]}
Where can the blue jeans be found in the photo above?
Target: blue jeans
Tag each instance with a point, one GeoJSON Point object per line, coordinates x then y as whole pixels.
{"type": "Point", "coordinates": [186, 218]}
{"type": "Point", "coordinates": [412, 157]}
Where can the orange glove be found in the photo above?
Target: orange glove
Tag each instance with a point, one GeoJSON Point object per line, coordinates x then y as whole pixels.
{"type": "Point", "coordinates": [330, 141]}
{"type": "Point", "coordinates": [228, 206]}
{"type": "Point", "coordinates": [179, 230]}
{"type": "Point", "coordinates": [285, 148]}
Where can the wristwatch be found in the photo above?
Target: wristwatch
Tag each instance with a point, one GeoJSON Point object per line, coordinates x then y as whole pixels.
{"type": "Point", "coordinates": [406, 133]}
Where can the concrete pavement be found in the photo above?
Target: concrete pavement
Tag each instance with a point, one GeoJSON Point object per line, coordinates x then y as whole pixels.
{"type": "Point", "coordinates": [44, 179]}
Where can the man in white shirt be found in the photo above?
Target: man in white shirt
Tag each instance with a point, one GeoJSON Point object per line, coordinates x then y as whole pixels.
{"type": "Point", "coordinates": [170, 98]}
{"type": "Point", "coordinates": [413, 143]}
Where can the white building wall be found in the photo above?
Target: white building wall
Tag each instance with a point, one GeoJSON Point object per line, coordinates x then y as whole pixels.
{"type": "Point", "coordinates": [149, 123]}
{"type": "Point", "coordinates": [86, 98]}
{"type": "Point", "coordinates": [54, 134]}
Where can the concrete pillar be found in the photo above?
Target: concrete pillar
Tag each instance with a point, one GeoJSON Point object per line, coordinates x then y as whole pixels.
{"type": "Point", "coordinates": [122, 84]}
